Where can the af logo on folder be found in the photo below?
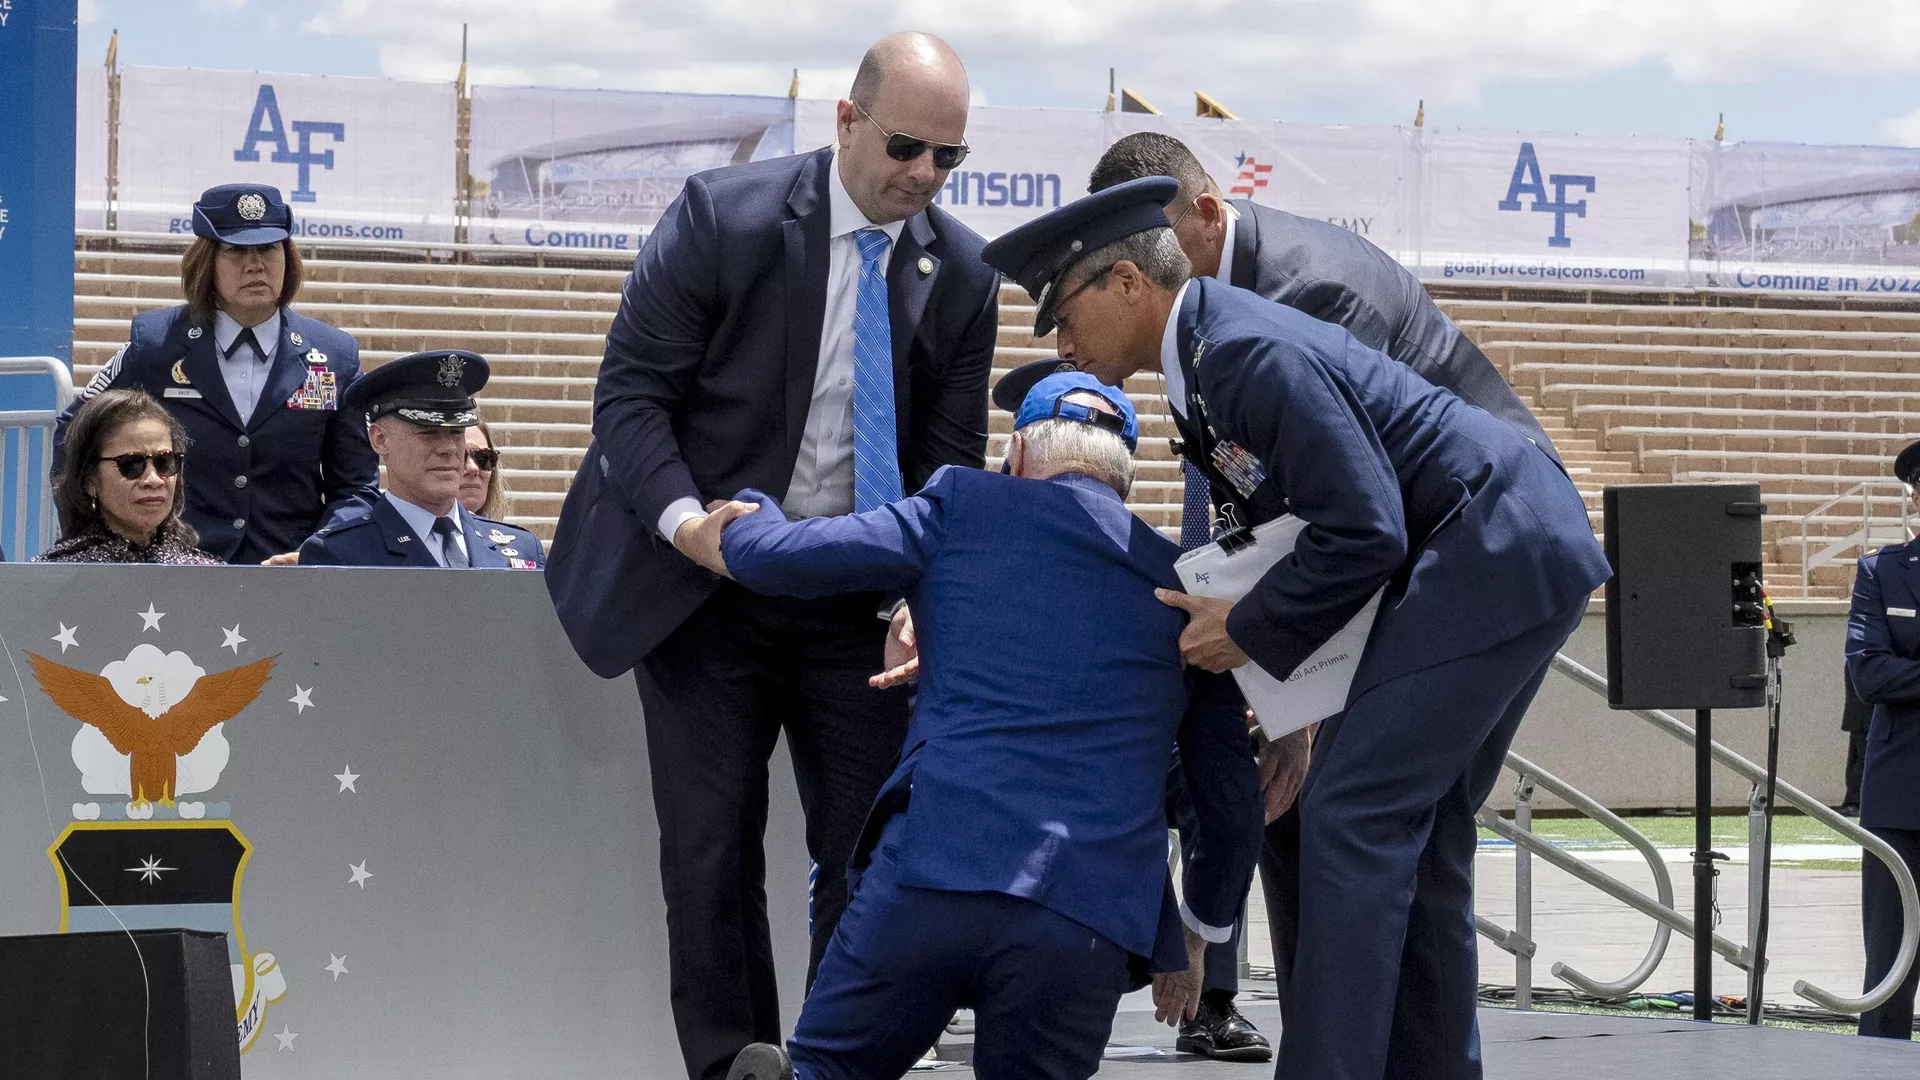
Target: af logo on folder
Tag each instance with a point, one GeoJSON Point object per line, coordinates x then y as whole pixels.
{"type": "Point", "coordinates": [1316, 689]}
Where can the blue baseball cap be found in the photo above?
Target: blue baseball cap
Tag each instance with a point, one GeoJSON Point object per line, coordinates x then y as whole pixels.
{"type": "Point", "coordinates": [1046, 401]}
{"type": "Point", "coordinates": [246, 215]}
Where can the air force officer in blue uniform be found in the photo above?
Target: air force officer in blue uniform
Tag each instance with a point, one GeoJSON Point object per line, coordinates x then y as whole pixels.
{"type": "Point", "coordinates": [256, 384]}
{"type": "Point", "coordinates": [417, 410]}
{"type": "Point", "coordinates": [1883, 659]}
{"type": "Point", "coordinates": [1015, 861]}
{"type": "Point", "coordinates": [1477, 536]}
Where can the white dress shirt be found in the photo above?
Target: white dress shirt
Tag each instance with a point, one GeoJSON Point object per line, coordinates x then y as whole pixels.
{"type": "Point", "coordinates": [246, 371]}
{"type": "Point", "coordinates": [1170, 354]}
{"type": "Point", "coordinates": [822, 483]}
{"type": "Point", "coordinates": [421, 519]}
{"type": "Point", "coordinates": [1226, 245]}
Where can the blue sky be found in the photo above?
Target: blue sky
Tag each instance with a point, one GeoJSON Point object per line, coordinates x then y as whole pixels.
{"type": "Point", "coordinates": [1828, 71]}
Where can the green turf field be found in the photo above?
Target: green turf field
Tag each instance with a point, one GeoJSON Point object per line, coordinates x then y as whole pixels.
{"type": "Point", "coordinates": [1675, 832]}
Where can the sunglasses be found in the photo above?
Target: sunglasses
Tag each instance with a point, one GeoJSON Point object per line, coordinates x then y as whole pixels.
{"type": "Point", "coordinates": [484, 460]}
{"type": "Point", "coordinates": [904, 147]}
{"type": "Point", "coordinates": [134, 466]}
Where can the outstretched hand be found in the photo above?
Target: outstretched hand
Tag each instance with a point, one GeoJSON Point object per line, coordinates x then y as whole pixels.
{"type": "Point", "coordinates": [902, 654]}
{"type": "Point", "coordinates": [698, 538]}
{"type": "Point", "coordinates": [1204, 643]}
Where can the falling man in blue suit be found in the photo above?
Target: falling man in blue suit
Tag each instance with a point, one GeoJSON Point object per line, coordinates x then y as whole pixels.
{"type": "Point", "coordinates": [1015, 861]}
{"type": "Point", "coordinates": [1478, 538]}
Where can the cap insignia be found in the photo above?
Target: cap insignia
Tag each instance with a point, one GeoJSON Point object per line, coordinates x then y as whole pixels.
{"type": "Point", "coordinates": [251, 206]}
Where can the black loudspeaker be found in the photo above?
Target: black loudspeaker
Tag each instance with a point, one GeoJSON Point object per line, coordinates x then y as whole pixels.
{"type": "Point", "coordinates": [78, 1006]}
{"type": "Point", "coordinates": [1686, 628]}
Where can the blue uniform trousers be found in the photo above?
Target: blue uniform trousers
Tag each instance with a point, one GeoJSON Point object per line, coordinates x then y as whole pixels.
{"type": "Point", "coordinates": [1385, 972]}
{"type": "Point", "coordinates": [1043, 988]}
{"type": "Point", "coordinates": [1880, 918]}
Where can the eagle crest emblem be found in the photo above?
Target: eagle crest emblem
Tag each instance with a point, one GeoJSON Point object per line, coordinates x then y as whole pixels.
{"type": "Point", "coordinates": [252, 206]}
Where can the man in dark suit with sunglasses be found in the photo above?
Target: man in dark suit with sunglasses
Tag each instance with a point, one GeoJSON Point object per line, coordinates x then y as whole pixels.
{"type": "Point", "coordinates": [811, 327]}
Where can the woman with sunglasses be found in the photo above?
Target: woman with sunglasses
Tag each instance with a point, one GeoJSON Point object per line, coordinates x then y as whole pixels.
{"type": "Point", "coordinates": [483, 490]}
{"type": "Point", "coordinates": [255, 385]}
{"type": "Point", "coordinates": [122, 489]}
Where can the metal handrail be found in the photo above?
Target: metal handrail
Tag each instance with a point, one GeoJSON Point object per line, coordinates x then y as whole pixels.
{"type": "Point", "coordinates": [1664, 913]}
{"type": "Point", "coordinates": [1864, 490]}
{"type": "Point", "coordinates": [25, 482]}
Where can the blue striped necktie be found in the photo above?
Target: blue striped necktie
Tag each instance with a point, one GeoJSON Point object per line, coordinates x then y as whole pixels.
{"type": "Point", "coordinates": [876, 446]}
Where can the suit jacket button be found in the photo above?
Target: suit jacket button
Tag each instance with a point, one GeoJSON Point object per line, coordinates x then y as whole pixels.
{"type": "Point", "coordinates": [239, 481]}
{"type": "Point", "coordinates": [245, 442]}
{"type": "Point", "coordinates": [239, 523]}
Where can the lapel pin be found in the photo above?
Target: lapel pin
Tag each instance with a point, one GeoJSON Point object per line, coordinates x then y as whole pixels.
{"type": "Point", "coordinates": [295, 338]}
{"type": "Point", "coordinates": [193, 333]}
{"type": "Point", "coordinates": [180, 372]}
{"type": "Point", "coordinates": [926, 265]}
{"type": "Point", "coordinates": [404, 538]}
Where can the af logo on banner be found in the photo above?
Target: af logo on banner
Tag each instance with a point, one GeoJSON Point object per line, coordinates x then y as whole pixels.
{"type": "Point", "coordinates": [266, 127]}
{"type": "Point", "coordinates": [152, 730]}
{"type": "Point", "coordinates": [1526, 181]}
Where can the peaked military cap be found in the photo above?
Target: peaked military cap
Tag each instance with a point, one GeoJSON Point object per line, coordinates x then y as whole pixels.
{"type": "Point", "coordinates": [1906, 467]}
{"type": "Point", "coordinates": [431, 389]}
{"type": "Point", "coordinates": [246, 215]}
{"type": "Point", "coordinates": [1039, 253]}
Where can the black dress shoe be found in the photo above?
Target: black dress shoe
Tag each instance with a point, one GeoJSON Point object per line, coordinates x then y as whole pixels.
{"type": "Point", "coordinates": [1220, 1032]}
{"type": "Point", "coordinates": [762, 1061]}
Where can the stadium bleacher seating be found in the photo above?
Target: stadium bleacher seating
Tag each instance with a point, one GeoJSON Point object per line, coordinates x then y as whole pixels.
{"type": "Point", "coordinates": [1808, 398]}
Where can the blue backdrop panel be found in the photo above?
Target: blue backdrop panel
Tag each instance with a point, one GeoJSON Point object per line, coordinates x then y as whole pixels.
{"type": "Point", "coordinates": [38, 55]}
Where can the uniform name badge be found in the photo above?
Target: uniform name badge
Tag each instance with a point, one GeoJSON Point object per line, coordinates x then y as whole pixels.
{"type": "Point", "coordinates": [320, 391]}
{"type": "Point", "coordinates": [1240, 468]}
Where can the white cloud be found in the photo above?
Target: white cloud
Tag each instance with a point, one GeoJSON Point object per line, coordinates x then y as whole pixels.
{"type": "Point", "coordinates": [1251, 51]}
{"type": "Point", "coordinates": [1903, 130]}
{"type": "Point", "coordinates": [89, 12]}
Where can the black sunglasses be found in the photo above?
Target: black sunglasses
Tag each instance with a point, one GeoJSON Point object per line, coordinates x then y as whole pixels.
{"type": "Point", "coordinates": [904, 147]}
{"type": "Point", "coordinates": [134, 466]}
{"type": "Point", "coordinates": [484, 460]}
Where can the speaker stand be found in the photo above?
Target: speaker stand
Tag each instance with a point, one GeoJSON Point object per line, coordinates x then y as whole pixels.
{"type": "Point", "coordinates": [1704, 872]}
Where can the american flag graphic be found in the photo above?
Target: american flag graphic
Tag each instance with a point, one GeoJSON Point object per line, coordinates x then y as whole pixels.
{"type": "Point", "coordinates": [1252, 177]}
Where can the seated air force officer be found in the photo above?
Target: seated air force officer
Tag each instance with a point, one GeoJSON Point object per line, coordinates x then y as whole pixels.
{"type": "Point", "coordinates": [1015, 861]}
{"type": "Point", "coordinates": [1479, 539]}
{"type": "Point", "coordinates": [417, 410]}
{"type": "Point", "coordinates": [1883, 660]}
{"type": "Point", "coordinates": [256, 385]}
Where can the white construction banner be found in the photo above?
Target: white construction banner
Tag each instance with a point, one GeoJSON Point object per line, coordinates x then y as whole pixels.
{"type": "Point", "coordinates": [1779, 216]}
{"type": "Point", "coordinates": [1551, 209]}
{"type": "Point", "coordinates": [90, 150]}
{"type": "Point", "coordinates": [596, 168]}
{"type": "Point", "coordinates": [356, 158]}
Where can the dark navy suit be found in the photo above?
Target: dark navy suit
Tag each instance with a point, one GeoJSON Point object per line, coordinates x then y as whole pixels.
{"type": "Point", "coordinates": [1339, 277]}
{"type": "Point", "coordinates": [705, 390]}
{"type": "Point", "coordinates": [1016, 857]}
{"type": "Point", "coordinates": [381, 537]}
{"type": "Point", "coordinates": [1484, 548]}
{"type": "Point", "coordinates": [1883, 659]}
{"type": "Point", "coordinates": [256, 486]}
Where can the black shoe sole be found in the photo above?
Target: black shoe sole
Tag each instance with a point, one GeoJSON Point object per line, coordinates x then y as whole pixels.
{"type": "Point", "coordinates": [761, 1061]}
{"type": "Point", "coordinates": [1204, 1048]}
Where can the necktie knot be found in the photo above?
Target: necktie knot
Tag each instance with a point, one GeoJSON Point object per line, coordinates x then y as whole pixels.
{"type": "Point", "coordinates": [246, 337]}
{"type": "Point", "coordinates": [873, 246]}
{"type": "Point", "coordinates": [449, 534]}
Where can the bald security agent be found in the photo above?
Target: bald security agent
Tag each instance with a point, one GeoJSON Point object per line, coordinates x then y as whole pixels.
{"type": "Point", "coordinates": [814, 328]}
{"type": "Point", "coordinates": [256, 384]}
{"type": "Point", "coordinates": [1477, 537]}
{"type": "Point", "coordinates": [1015, 861]}
{"type": "Point", "coordinates": [417, 410]}
{"type": "Point", "coordinates": [1883, 661]}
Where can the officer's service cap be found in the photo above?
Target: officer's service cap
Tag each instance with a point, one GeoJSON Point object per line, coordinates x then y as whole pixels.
{"type": "Point", "coordinates": [1039, 253]}
{"type": "Point", "coordinates": [429, 389]}
{"type": "Point", "coordinates": [1047, 401]}
{"type": "Point", "coordinates": [244, 215]}
{"type": "Point", "coordinates": [1906, 467]}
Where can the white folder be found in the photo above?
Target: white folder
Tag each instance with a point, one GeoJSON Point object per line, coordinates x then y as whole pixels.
{"type": "Point", "coordinates": [1318, 688]}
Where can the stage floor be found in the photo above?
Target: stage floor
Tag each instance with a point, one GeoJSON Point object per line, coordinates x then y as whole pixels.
{"type": "Point", "coordinates": [1530, 1045]}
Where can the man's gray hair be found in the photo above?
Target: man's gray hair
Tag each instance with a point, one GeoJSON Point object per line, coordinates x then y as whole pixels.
{"type": "Point", "coordinates": [1056, 446]}
{"type": "Point", "coordinates": [1156, 252]}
